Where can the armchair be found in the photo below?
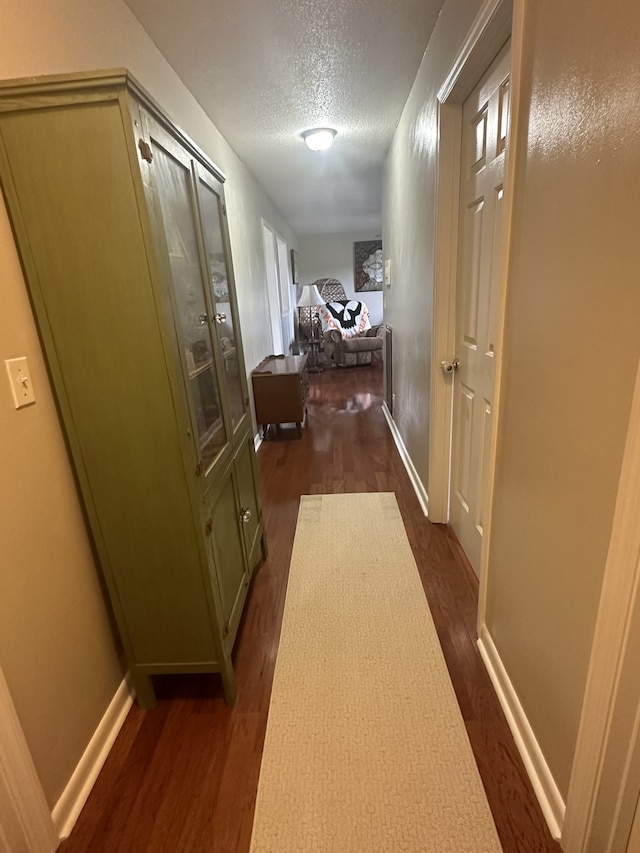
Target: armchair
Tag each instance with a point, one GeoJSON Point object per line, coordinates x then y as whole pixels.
{"type": "Point", "coordinates": [349, 339]}
{"type": "Point", "coordinates": [359, 349]}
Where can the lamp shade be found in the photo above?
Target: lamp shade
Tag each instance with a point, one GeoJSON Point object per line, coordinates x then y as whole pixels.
{"type": "Point", "coordinates": [310, 296]}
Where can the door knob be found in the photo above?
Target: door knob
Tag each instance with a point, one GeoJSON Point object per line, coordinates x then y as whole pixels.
{"type": "Point", "coordinates": [450, 366]}
{"type": "Point", "coordinates": [220, 318]}
{"type": "Point", "coordinates": [245, 515]}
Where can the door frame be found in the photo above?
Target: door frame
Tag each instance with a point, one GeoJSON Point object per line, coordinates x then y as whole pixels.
{"type": "Point", "coordinates": [605, 777]}
{"type": "Point", "coordinates": [496, 21]}
{"type": "Point", "coordinates": [285, 283]}
{"type": "Point", "coordinates": [20, 788]}
{"type": "Point", "coordinates": [272, 288]}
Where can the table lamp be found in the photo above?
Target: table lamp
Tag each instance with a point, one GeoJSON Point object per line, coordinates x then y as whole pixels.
{"type": "Point", "coordinates": [310, 298]}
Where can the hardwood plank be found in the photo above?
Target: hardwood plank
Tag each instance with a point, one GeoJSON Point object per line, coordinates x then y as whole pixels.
{"type": "Point", "coordinates": [184, 776]}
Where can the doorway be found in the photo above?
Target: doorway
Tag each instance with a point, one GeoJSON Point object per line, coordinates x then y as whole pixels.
{"type": "Point", "coordinates": [487, 37]}
{"type": "Point", "coordinates": [279, 289]}
{"type": "Point", "coordinates": [273, 295]}
{"type": "Point", "coordinates": [485, 121]}
{"type": "Point", "coordinates": [286, 295]}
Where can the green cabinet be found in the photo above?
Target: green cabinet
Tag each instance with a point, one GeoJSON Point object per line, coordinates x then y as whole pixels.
{"type": "Point", "coordinates": [120, 221]}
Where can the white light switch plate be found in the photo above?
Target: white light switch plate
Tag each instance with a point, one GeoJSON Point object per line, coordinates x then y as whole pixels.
{"type": "Point", "coordinates": [387, 272]}
{"type": "Point", "coordinates": [20, 381]}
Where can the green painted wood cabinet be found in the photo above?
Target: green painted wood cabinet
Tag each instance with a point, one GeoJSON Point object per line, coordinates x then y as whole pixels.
{"type": "Point", "coordinates": [120, 222]}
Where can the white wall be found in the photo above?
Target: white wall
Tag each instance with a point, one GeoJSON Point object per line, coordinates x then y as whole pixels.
{"type": "Point", "coordinates": [573, 300]}
{"type": "Point", "coordinates": [408, 231]}
{"type": "Point", "coordinates": [331, 256]}
{"type": "Point", "coordinates": [571, 341]}
{"type": "Point", "coordinates": [56, 647]}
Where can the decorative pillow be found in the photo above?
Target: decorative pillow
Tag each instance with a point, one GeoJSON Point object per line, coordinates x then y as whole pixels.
{"type": "Point", "coordinates": [348, 317]}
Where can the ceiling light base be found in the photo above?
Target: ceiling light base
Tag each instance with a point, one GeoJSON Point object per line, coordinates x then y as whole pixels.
{"type": "Point", "coordinates": [319, 138]}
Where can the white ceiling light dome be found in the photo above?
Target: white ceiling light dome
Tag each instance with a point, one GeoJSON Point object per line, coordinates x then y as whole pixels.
{"type": "Point", "coordinates": [319, 138]}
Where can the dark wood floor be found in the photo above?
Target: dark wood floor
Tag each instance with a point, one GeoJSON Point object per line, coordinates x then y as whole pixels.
{"type": "Point", "coordinates": [183, 777]}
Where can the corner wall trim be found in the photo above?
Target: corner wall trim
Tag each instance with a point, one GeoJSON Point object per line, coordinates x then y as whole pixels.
{"type": "Point", "coordinates": [544, 786]}
{"type": "Point", "coordinates": [24, 810]}
{"type": "Point", "coordinates": [66, 811]}
{"type": "Point", "coordinates": [416, 482]}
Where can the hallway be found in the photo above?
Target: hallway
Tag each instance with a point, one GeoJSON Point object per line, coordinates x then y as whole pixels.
{"type": "Point", "coordinates": [183, 777]}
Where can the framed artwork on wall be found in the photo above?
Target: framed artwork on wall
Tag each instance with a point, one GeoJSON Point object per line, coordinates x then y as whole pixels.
{"type": "Point", "coordinates": [295, 278]}
{"type": "Point", "coordinates": [368, 265]}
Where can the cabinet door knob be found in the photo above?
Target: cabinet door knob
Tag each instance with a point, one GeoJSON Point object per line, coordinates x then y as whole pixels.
{"type": "Point", "coordinates": [245, 515]}
{"type": "Point", "coordinates": [145, 150]}
{"type": "Point", "coordinates": [220, 318]}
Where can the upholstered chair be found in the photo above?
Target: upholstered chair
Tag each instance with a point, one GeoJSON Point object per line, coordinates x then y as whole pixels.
{"type": "Point", "coordinates": [360, 349]}
{"type": "Point", "coordinates": [349, 339]}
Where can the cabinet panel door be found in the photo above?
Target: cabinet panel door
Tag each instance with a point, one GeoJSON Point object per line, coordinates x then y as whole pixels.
{"type": "Point", "coordinates": [174, 184]}
{"type": "Point", "coordinates": [229, 554]}
{"type": "Point", "coordinates": [220, 272]}
{"type": "Point", "coordinates": [249, 506]}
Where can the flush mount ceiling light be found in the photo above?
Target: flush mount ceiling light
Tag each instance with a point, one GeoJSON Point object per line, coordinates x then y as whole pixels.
{"type": "Point", "coordinates": [319, 138]}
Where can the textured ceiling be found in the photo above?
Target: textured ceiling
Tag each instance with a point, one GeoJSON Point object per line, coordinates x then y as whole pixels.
{"type": "Point", "coordinates": [265, 70]}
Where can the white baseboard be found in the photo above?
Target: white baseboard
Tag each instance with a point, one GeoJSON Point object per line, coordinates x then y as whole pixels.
{"type": "Point", "coordinates": [416, 482]}
{"type": "Point", "coordinates": [74, 796]}
{"type": "Point", "coordinates": [257, 441]}
{"type": "Point", "coordinates": [544, 786]}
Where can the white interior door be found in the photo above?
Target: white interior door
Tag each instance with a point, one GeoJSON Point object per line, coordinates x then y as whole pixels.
{"type": "Point", "coordinates": [485, 119]}
{"type": "Point", "coordinates": [273, 287]}
{"type": "Point", "coordinates": [286, 296]}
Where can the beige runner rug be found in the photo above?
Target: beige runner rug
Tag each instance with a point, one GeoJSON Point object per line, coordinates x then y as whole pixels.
{"type": "Point", "coordinates": [365, 749]}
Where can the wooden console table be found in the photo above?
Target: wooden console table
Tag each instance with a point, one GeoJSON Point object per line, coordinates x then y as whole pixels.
{"type": "Point", "coordinates": [280, 387]}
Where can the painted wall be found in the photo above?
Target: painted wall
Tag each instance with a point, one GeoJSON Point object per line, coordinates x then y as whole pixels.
{"type": "Point", "coordinates": [331, 256]}
{"type": "Point", "coordinates": [570, 355]}
{"type": "Point", "coordinates": [408, 228]}
{"type": "Point", "coordinates": [56, 646]}
{"type": "Point", "coordinates": [572, 344]}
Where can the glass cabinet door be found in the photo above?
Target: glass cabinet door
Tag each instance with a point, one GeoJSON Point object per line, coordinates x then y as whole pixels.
{"type": "Point", "coordinates": [175, 191]}
{"type": "Point", "coordinates": [225, 322]}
